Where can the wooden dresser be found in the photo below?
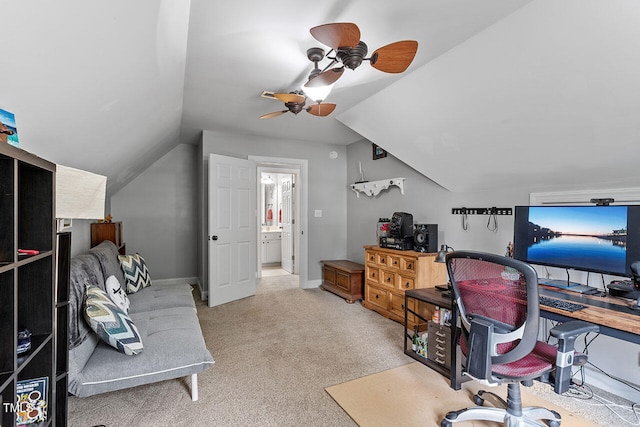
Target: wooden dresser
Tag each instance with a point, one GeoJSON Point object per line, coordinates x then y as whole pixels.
{"type": "Point", "coordinates": [390, 272]}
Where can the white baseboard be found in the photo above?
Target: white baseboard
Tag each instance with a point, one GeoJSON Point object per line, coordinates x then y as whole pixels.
{"type": "Point", "coordinates": [183, 280]}
{"type": "Point", "coordinates": [177, 281]}
{"type": "Point", "coordinates": [598, 379]}
{"type": "Point", "coordinates": [312, 284]}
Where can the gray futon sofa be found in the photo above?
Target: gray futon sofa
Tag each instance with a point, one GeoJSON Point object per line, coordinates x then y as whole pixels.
{"type": "Point", "coordinates": [165, 316]}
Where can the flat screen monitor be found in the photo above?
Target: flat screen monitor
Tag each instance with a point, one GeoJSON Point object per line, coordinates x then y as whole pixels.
{"type": "Point", "coordinates": [601, 239]}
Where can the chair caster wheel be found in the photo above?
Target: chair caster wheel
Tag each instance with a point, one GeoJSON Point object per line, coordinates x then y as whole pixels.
{"type": "Point", "coordinates": [445, 423]}
{"type": "Point", "coordinates": [478, 400]}
{"type": "Point", "coordinates": [556, 422]}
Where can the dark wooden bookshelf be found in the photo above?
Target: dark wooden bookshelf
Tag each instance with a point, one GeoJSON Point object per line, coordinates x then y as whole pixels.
{"type": "Point", "coordinates": [28, 296]}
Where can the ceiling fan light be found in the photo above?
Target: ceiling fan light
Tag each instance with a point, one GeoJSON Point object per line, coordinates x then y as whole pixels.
{"type": "Point", "coordinates": [318, 94]}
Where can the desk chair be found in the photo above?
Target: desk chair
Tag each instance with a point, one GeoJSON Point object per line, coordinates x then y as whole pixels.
{"type": "Point", "coordinates": [497, 298]}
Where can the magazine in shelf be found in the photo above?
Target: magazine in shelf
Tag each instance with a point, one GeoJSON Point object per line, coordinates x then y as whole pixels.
{"type": "Point", "coordinates": [32, 401]}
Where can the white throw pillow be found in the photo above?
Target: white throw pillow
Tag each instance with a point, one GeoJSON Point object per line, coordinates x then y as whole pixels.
{"type": "Point", "coordinates": [117, 294]}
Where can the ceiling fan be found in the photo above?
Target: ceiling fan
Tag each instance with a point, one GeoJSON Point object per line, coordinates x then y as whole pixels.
{"type": "Point", "coordinates": [344, 40]}
{"type": "Point", "coordinates": [295, 102]}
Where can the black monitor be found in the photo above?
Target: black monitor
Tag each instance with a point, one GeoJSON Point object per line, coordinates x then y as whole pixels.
{"type": "Point", "coordinates": [601, 239]}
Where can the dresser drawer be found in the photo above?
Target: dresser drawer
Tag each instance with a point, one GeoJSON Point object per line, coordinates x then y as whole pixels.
{"type": "Point", "coordinates": [393, 261]}
{"type": "Point", "coordinates": [377, 297]}
{"type": "Point", "coordinates": [396, 305]}
{"type": "Point", "coordinates": [381, 259]}
{"type": "Point", "coordinates": [370, 257]}
{"type": "Point", "coordinates": [388, 278]}
{"type": "Point", "coordinates": [373, 274]}
{"type": "Point", "coordinates": [408, 264]}
{"type": "Point", "coordinates": [405, 282]}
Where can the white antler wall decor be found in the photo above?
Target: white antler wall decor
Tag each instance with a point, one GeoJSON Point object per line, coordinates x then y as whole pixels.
{"type": "Point", "coordinates": [373, 188]}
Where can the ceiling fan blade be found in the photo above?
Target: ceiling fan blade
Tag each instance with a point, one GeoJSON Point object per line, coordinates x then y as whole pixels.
{"type": "Point", "coordinates": [394, 57]}
{"type": "Point", "coordinates": [274, 114]}
{"type": "Point", "coordinates": [321, 110]}
{"type": "Point", "coordinates": [325, 78]}
{"type": "Point", "coordinates": [289, 97]}
{"type": "Point", "coordinates": [341, 34]}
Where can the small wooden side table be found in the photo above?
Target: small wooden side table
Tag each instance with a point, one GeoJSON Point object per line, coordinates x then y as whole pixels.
{"type": "Point", "coordinates": [343, 278]}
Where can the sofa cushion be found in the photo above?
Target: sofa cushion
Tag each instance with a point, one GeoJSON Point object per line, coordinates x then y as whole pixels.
{"type": "Point", "coordinates": [174, 348]}
{"type": "Point", "coordinates": [135, 272]}
{"type": "Point", "coordinates": [111, 324]}
{"type": "Point", "coordinates": [117, 294]}
{"type": "Point", "coordinates": [161, 296]}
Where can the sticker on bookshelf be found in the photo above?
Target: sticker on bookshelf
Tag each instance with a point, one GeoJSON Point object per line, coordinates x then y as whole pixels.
{"type": "Point", "coordinates": [32, 401]}
{"type": "Point", "coordinates": [8, 130]}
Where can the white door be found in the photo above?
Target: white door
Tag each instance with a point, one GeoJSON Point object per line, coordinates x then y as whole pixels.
{"type": "Point", "coordinates": [232, 229]}
{"type": "Point", "coordinates": [287, 224]}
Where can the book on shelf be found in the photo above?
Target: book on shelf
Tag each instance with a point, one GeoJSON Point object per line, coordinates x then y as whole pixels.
{"type": "Point", "coordinates": [32, 401]}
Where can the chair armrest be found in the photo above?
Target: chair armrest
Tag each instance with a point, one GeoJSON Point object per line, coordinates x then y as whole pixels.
{"type": "Point", "coordinates": [566, 333]}
{"type": "Point", "coordinates": [573, 329]}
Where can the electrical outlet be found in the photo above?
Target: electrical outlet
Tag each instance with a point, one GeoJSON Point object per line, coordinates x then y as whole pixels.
{"type": "Point", "coordinates": [318, 213]}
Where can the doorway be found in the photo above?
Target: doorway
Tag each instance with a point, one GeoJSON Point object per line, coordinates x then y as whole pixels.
{"type": "Point", "coordinates": [277, 223]}
{"type": "Point", "coordinates": [296, 170]}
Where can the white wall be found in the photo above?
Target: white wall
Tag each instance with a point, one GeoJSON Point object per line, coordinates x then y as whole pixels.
{"type": "Point", "coordinates": [541, 98]}
{"type": "Point", "coordinates": [430, 203]}
{"type": "Point", "coordinates": [158, 210]}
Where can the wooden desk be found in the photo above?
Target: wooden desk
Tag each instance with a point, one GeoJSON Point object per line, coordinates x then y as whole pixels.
{"type": "Point", "coordinates": [612, 314]}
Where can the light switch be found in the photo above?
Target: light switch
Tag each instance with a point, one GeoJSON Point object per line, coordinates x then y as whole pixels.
{"type": "Point", "coordinates": [318, 213]}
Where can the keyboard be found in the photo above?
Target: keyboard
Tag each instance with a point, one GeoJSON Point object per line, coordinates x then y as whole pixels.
{"type": "Point", "coordinates": [562, 305]}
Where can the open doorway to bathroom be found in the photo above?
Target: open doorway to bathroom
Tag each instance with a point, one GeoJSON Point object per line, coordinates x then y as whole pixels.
{"type": "Point", "coordinates": [298, 169]}
{"type": "Point", "coordinates": [276, 205]}
{"type": "Point", "coordinates": [278, 213]}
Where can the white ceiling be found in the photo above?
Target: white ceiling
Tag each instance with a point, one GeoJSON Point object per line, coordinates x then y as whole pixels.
{"type": "Point", "coordinates": [111, 86]}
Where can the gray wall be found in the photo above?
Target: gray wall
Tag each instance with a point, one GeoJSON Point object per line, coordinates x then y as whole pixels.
{"type": "Point", "coordinates": [158, 210]}
{"type": "Point", "coordinates": [426, 201]}
{"type": "Point", "coordinates": [327, 235]}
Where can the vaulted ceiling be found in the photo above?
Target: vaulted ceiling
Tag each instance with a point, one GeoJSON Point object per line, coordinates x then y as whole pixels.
{"type": "Point", "coordinates": [501, 92]}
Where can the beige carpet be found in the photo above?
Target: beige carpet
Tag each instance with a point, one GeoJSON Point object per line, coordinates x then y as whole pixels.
{"type": "Point", "coordinates": [415, 395]}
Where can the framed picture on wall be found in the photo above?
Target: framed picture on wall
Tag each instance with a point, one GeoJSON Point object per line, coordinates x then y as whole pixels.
{"type": "Point", "coordinates": [378, 152]}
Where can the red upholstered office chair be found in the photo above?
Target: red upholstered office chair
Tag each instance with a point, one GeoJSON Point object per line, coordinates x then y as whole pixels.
{"type": "Point", "coordinates": [497, 298]}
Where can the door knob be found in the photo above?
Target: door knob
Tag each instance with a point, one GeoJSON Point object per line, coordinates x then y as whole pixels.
{"type": "Point", "coordinates": [214, 237]}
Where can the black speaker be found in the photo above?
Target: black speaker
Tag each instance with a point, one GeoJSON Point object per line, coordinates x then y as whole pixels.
{"type": "Point", "coordinates": [425, 238]}
{"type": "Point", "coordinates": [401, 225]}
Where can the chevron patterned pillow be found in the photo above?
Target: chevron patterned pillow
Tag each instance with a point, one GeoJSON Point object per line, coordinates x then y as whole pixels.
{"type": "Point", "coordinates": [111, 324]}
{"type": "Point", "coordinates": [135, 272]}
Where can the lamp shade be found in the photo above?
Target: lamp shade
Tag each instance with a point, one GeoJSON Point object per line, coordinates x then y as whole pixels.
{"type": "Point", "coordinates": [79, 194]}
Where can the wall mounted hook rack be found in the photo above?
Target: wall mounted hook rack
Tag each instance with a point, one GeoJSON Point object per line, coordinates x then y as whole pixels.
{"type": "Point", "coordinates": [482, 211]}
